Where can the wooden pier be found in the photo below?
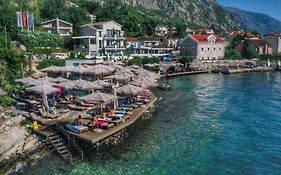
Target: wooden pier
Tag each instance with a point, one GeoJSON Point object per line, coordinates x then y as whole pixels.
{"type": "Point", "coordinates": [184, 73]}
{"type": "Point", "coordinates": [94, 137]}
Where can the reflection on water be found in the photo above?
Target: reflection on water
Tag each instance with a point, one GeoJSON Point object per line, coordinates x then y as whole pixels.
{"type": "Point", "coordinates": [208, 124]}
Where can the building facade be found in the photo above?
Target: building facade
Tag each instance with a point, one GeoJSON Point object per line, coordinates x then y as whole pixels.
{"type": "Point", "coordinates": [274, 40]}
{"type": "Point", "coordinates": [58, 26]}
{"type": "Point", "coordinates": [260, 45]}
{"type": "Point", "coordinates": [147, 47]}
{"type": "Point", "coordinates": [203, 47]}
{"type": "Point", "coordinates": [101, 39]}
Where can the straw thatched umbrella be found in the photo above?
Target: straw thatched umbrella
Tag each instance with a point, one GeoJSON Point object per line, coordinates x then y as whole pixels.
{"type": "Point", "coordinates": [144, 83]}
{"type": "Point", "coordinates": [101, 83]}
{"type": "Point", "coordinates": [67, 85]}
{"type": "Point", "coordinates": [43, 89]}
{"type": "Point", "coordinates": [41, 81]}
{"type": "Point", "coordinates": [49, 79]}
{"type": "Point", "coordinates": [86, 85]}
{"type": "Point", "coordinates": [59, 80]}
{"type": "Point", "coordinates": [98, 97]}
{"type": "Point", "coordinates": [27, 82]}
{"type": "Point", "coordinates": [54, 69]}
{"type": "Point", "coordinates": [121, 77]}
{"type": "Point", "coordinates": [129, 90]}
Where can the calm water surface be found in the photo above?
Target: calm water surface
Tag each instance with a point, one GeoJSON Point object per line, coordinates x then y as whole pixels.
{"type": "Point", "coordinates": [208, 124]}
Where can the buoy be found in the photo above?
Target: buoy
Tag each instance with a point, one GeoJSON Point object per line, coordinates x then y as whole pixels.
{"type": "Point", "coordinates": [35, 125]}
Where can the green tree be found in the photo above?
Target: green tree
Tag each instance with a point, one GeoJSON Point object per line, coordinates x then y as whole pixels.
{"type": "Point", "coordinates": [250, 54]}
{"type": "Point", "coordinates": [232, 54]}
{"type": "Point", "coordinates": [186, 60]}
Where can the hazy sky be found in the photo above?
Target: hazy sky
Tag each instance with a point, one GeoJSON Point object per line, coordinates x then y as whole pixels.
{"type": "Point", "coordinates": [269, 7]}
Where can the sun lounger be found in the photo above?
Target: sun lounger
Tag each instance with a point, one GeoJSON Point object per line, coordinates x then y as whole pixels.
{"type": "Point", "coordinates": [120, 112]}
{"type": "Point", "coordinates": [104, 125]}
{"type": "Point", "coordinates": [77, 128]}
{"type": "Point", "coordinates": [110, 120]}
{"type": "Point", "coordinates": [118, 115]}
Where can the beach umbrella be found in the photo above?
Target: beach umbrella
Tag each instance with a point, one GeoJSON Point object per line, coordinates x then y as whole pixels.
{"type": "Point", "coordinates": [48, 79]}
{"type": "Point", "coordinates": [123, 76]}
{"type": "Point", "coordinates": [95, 70]}
{"type": "Point", "coordinates": [86, 85]}
{"type": "Point", "coordinates": [129, 90]}
{"type": "Point", "coordinates": [144, 83]}
{"type": "Point", "coordinates": [43, 88]}
{"type": "Point", "coordinates": [52, 69]}
{"type": "Point", "coordinates": [67, 85]}
{"type": "Point", "coordinates": [98, 97]}
{"type": "Point", "coordinates": [59, 80]}
{"type": "Point", "coordinates": [27, 81]}
{"type": "Point", "coordinates": [101, 83]}
{"type": "Point", "coordinates": [42, 81]}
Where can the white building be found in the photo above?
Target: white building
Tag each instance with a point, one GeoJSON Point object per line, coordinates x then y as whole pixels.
{"type": "Point", "coordinates": [203, 47]}
{"type": "Point", "coordinates": [58, 26]}
{"type": "Point", "coordinates": [101, 39]}
{"type": "Point", "coordinates": [147, 47]}
{"type": "Point", "coordinates": [162, 31]}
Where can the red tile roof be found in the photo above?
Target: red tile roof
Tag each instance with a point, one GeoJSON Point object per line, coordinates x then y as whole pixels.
{"type": "Point", "coordinates": [204, 38]}
{"type": "Point", "coordinates": [238, 32]}
{"type": "Point", "coordinates": [132, 39]}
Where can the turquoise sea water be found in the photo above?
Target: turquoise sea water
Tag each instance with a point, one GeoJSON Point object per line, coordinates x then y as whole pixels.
{"type": "Point", "coordinates": [208, 124]}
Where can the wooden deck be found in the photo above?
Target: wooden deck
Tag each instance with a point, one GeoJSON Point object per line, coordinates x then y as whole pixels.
{"type": "Point", "coordinates": [93, 137]}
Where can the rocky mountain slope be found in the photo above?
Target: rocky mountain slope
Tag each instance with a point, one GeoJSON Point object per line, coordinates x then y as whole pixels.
{"type": "Point", "coordinates": [255, 21]}
{"type": "Point", "coordinates": [198, 12]}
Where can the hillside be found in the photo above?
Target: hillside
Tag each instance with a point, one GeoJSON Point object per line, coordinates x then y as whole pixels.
{"type": "Point", "coordinates": [196, 12]}
{"type": "Point", "coordinates": [255, 21]}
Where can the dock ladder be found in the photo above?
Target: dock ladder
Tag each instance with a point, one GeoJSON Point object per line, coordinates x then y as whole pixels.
{"type": "Point", "coordinates": [71, 141]}
{"type": "Point", "coordinates": [58, 144]}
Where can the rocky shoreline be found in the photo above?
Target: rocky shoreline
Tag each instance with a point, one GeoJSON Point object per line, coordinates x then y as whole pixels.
{"type": "Point", "coordinates": [17, 143]}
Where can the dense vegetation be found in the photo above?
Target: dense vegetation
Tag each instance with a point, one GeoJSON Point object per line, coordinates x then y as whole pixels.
{"type": "Point", "coordinates": [50, 62]}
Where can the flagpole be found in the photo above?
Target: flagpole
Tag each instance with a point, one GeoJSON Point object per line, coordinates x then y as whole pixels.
{"type": "Point", "coordinates": [21, 20]}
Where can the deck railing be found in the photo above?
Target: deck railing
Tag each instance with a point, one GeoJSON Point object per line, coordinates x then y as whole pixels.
{"type": "Point", "coordinates": [70, 140]}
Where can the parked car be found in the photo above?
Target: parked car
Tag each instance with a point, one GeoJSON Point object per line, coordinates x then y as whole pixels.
{"type": "Point", "coordinates": [58, 55]}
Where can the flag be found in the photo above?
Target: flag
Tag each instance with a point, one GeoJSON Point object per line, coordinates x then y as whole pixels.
{"type": "Point", "coordinates": [25, 18]}
{"type": "Point", "coordinates": [31, 20]}
{"type": "Point", "coordinates": [19, 19]}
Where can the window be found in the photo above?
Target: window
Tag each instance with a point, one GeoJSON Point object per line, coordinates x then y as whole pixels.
{"type": "Point", "coordinates": [100, 43]}
{"type": "Point", "coordinates": [214, 49]}
{"type": "Point", "coordinates": [99, 33]}
{"type": "Point", "coordinates": [208, 48]}
{"type": "Point", "coordinates": [202, 48]}
{"type": "Point", "coordinates": [220, 48]}
{"type": "Point", "coordinates": [93, 41]}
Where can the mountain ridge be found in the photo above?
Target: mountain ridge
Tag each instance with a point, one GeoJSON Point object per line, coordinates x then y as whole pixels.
{"type": "Point", "coordinates": [260, 22]}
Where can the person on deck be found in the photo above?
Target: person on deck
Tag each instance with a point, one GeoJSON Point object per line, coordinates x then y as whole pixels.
{"type": "Point", "coordinates": [94, 121]}
{"type": "Point", "coordinates": [78, 120]}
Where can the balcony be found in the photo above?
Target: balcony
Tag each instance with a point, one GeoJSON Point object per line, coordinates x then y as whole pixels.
{"type": "Point", "coordinates": [114, 48]}
{"type": "Point", "coordinates": [114, 37]}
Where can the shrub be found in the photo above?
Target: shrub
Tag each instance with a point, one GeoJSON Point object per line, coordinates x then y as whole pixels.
{"type": "Point", "coordinates": [50, 62]}
{"type": "Point", "coordinates": [6, 101]}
